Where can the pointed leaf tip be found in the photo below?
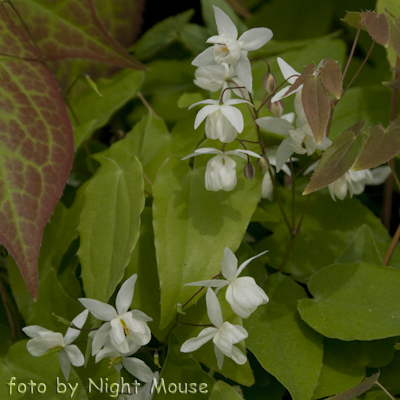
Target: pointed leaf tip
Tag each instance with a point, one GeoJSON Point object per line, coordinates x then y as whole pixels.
{"type": "Point", "coordinates": [332, 77]}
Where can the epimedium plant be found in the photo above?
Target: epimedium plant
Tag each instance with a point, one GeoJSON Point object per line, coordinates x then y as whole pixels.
{"type": "Point", "coordinates": [311, 309]}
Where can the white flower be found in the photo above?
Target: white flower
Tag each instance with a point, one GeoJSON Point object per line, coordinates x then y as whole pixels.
{"type": "Point", "coordinates": [224, 335]}
{"type": "Point", "coordinates": [46, 341]}
{"type": "Point", "coordinates": [231, 50]}
{"type": "Point", "coordinates": [243, 294]}
{"type": "Point", "coordinates": [221, 169]}
{"type": "Point", "coordinates": [224, 121]}
{"type": "Point", "coordinates": [301, 139]}
{"type": "Point", "coordinates": [290, 75]}
{"type": "Point", "coordinates": [121, 324]}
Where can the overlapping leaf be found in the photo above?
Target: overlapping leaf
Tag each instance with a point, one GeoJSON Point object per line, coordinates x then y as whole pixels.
{"type": "Point", "coordinates": [72, 29]}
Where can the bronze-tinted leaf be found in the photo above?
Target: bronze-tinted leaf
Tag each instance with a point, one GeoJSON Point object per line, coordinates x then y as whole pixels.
{"type": "Point", "coordinates": [357, 390]}
{"type": "Point", "coordinates": [332, 77]}
{"type": "Point", "coordinates": [354, 19]}
{"type": "Point", "coordinates": [337, 159]}
{"type": "Point", "coordinates": [317, 103]}
{"type": "Point", "coordinates": [395, 35]}
{"type": "Point", "coordinates": [381, 146]}
{"type": "Point", "coordinates": [36, 153]}
{"type": "Point", "coordinates": [308, 70]}
{"type": "Point", "coordinates": [239, 7]}
{"type": "Point", "coordinates": [71, 29]}
{"type": "Point", "coordinates": [378, 28]}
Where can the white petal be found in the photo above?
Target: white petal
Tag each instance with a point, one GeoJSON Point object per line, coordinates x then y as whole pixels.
{"type": "Point", "coordinates": [204, 150]}
{"type": "Point", "coordinates": [289, 117]}
{"type": "Point", "coordinates": [107, 352]}
{"type": "Point", "coordinates": [218, 126]}
{"type": "Point", "coordinates": [78, 321]}
{"type": "Point", "coordinates": [287, 71]}
{"type": "Point", "coordinates": [243, 71]}
{"type": "Point", "coordinates": [255, 38]}
{"type": "Point", "coordinates": [234, 116]}
{"type": "Point", "coordinates": [207, 101]}
{"type": "Point", "coordinates": [138, 369]}
{"type": "Point", "coordinates": [195, 343]}
{"type": "Point", "coordinates": [225, 24]}
{"type": "Point", "coordinates": [203, 113]}
{"type": "Point", "coordinates": [242, 266]}
{"type": "Point", "coordinates": [231, 102]}
{"type": "Point", "coordinates": [267, 187]}
{"type": "Point", "coordinates": [100, 310]}
{"type": "Point", "coordinates": [34, 330]}
{"type": "Point", "coordinates": [379, 175]}
{"type": "Point", "coordinates": [213, 308]}
{"type": "Point", "coordinates": [240, 153]}
{"type": "Point", "coordinates": [229, 264]}
{"type": "Point", "coordinates": [74, 355]}
{"type": "Point", "coordinates": [102, 334]}
{"type": "Point", "coordinates": [205, 58]}
{"type": "Point", "coordinates": [238, 356]}
{"type": "Point", "coordinates": [125, 295]}
{"type": "Point", "coordinates": [117, 331]}
{"type": "Point", "coordinates": [220, 356]}
{"type": "Point", "coordinates": [219, 283]}
{"type": "Point", "coordinates": [280, 95]}
{"type": "Point", "coordinates": [64, 364]}
{"type": "Point", "coordinates": [284, 152]}
{"type": "Point", "coordinates": [38, 346]}
{"type": "Point", "coordinates": [140, 316]}
{"type": "Point", "coordinates": [276, 125]}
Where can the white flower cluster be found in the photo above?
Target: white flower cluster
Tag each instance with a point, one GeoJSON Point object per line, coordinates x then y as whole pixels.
{"type": "Point", "coordinates": [225, 65]}
{"type": "Point", "coordinates": [243, 295]}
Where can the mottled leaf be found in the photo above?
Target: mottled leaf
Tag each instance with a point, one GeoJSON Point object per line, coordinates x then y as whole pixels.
{"type": "Point", "coordinates": [378, 27]}
{"type": "Point", "coordinates": [36, 155]}
{"type": "Point", "coordinates": [355, 391]}
{"type": "Point", "coordinates": [110, 220]}
{"type": "Point", "coordinates": [316, 102]}
{"type": "Point", "coordinates": [331, 77]}
{"type": "Point", "coordinates": [381, 145]}
{"type": "Point", "coordinates": [71, 29]}
{"type": "Point", "coordinates": [353, 302]}
{"type": "Point", "coordinates": [283, 344]}
{"type": "Point", "coordinates": [192, 226]}
{"type": "Point", "coordinates": [337, 159]}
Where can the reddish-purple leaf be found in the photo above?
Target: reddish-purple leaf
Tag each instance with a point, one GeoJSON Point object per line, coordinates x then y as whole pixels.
{"type": "Point", "coordinates": [381, 146]}
{"type": "Point", "coordinates": [36, 154]}
{"type": "Point", "coordinates": [378, 27]}
{"type": "Point", "coordinates": [331, 77]}
{"type": "Point", "coordinates": [308, 70]}
{"type": "Point", "coordinates": [71, 29]}
{"type": "Point", "coordinates": [337, 159]}
{"type": "Point", "coordinates": [316, 102]}
{"type": "Point", "coordinates": [395, 35]}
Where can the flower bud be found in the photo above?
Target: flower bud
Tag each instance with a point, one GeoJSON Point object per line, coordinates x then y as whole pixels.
{"type": "Point", "coordinates": [249, 171]}
{"type": "Point", "coordinates": [63, 321]}
{"type": "Point", "coordinates": [276, 108]}
{"type": "Point", "coordinates": [220, 174]}
{"type": "Point", "coordinates": [263, 164]}
{"type": "Point", "coordinates": [269, 82]}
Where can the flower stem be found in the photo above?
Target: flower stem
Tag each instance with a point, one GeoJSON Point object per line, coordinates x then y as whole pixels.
{"type": "Point", "coordinates": [392, 246]}
{"type": "Point", "coordinates": [144, 101]}
{"type": "Point", "coordinates": [352, 52]}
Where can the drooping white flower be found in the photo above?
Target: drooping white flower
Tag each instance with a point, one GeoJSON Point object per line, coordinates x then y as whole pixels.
{"type": "Point", "coordinates": [301, 139]}
{"type": "Point", "coordinates": [231, 50]}
{"type": "Point", "coordinates": [46, 341]}
{"type": "Point", "coordinates": [221, 169]}
{"type": "Point", "coordinates": [243, 294]}
{"type": "Point", "coordinates": [224, 335]}
{"type": "Point", "coordinates": [121, 324]}
{"type": "Point", "coordinates": [224, 121]}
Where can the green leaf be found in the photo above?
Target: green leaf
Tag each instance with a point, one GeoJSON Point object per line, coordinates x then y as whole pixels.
{"type": "Point", "coordinates": [72, 29]}
{"type": "Point", "coordinates": [183, 374]}
{"type": "Point", "coordinates": [192, 226]}
{"type": "Point", "coordinates": [353, 302]}
{"type": "Point", "coordinates": [223, 391]}
{"type": "Point", "coordinates": [389, 377]}
{"type": "Point", "coordinates": [381, 146]}
{"type": "Point", "coordinates": [116, 91]}
{"type": "Point", "coordinates": [362, 248]}
{"type": "Point", "coordinates": [143, 262]}
{"type": "Point", "coordinates": [40, 370]}
{"type": "Point", "coordinates": [283, 344]}
{"type": "Point", "coordinates": [326, 232]}
{"type": "Point", "coordinates": [110, 220]}
{"type": "Point", "coordinates": [337, 159]}
{"type": "Point", "coordinates": [354, 19]}
{"type": "Point", "coordinates": [188, 99]}
{"type": "Point", "coordinates": [161, 35]}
